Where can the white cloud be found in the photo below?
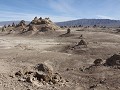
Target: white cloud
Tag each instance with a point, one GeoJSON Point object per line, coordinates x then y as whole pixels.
{"type": "Point", "coordinates": [64, 6]}
{"type": "Point", "coordinates": [8, 16]}
{"type": "Point", "coordinates": [104, 17]}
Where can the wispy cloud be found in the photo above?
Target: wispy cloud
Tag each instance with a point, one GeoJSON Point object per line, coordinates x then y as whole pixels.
{"type": "Point", "coordinates": [58, 10]}
{"type": "Point", "coordinates": [64, 6]}
{"type": "Point", "coordinates": [104, 17]}
{"type": "Point", "coordinates": [7, 16]}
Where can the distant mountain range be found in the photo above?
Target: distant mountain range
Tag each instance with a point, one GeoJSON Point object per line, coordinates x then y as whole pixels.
{"type": "Point", "coordinates": [91, 22]}
{"type": "Point", "coordinates": [9, 22]}
{"type": "Point", "coordinates": [84, 22]}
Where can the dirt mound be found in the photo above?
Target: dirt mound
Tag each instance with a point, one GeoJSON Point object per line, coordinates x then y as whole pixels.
{"type": "Point", "coordinates": [76, 48]}
{"type": "Point", "coordinates": [96, 66]}
{"type": "Point", "coordinates": [81, 44]}
{"type": "Point", "coordinates": [113, 60]}
{"type": "Point", "coordinates": [40, 74]}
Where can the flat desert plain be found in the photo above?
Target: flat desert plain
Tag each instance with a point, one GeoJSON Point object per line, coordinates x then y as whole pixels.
{"type": "Point", "coordinates": [74, 64]}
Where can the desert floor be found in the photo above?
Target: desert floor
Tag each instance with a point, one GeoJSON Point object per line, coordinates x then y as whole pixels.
{"type": "Point", "coordinates": [20, 52]}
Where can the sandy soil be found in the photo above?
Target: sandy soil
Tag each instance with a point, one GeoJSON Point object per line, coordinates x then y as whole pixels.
{"type": "Point", "coordinates": [17, 53]}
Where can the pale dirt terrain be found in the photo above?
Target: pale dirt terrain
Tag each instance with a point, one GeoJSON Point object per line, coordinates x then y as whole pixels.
{"type": "Point", "coordinates": [17, 53]}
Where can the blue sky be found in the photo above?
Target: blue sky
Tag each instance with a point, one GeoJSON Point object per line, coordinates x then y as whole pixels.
{"type": "Point", "coordinates": [59, 10]}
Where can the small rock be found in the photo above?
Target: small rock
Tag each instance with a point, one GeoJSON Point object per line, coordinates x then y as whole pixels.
{"type": "Point", "coordinates": [18, 73]}
{"type": "Point", "coordinates": [98, 62]}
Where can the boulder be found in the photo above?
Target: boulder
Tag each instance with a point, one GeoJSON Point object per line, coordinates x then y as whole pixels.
{"type": "Point", "coordinates": [113, 60]}
{"type": "Point", "coordinates": [43, 68]}
{"type": "Point", "coordinates": [43, 72]}
{"type": "Point", "coordinates": [98, 62]}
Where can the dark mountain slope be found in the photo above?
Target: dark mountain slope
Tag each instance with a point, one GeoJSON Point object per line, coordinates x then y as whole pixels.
{"type": "Point", "coordinates": [91, 22]}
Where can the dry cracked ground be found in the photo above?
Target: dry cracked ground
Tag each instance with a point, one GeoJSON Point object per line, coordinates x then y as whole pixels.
{"type": "Point", "coordinates": [74, 65]}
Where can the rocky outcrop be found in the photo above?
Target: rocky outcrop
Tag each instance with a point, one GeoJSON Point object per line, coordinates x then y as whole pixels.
{"type": "Point", "coordinates": [40, 74]}
{"type": "Point", "coordinates": [38, 21]}
{"type": "Point", "coordinates": [21, 23]}
{"type": "Point", "coordinates": [35, 26]}
{"type": "Point", "coordinates": [43, 24]}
